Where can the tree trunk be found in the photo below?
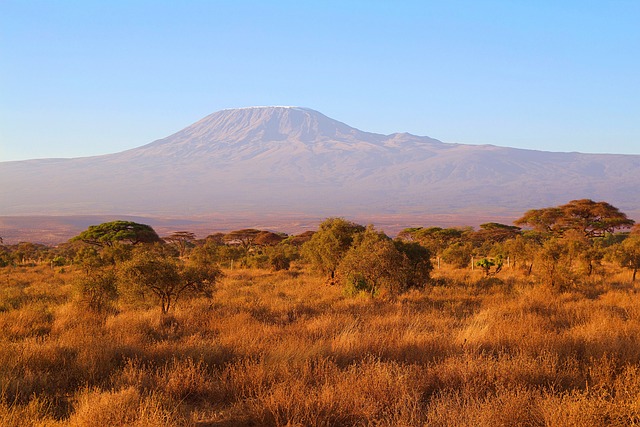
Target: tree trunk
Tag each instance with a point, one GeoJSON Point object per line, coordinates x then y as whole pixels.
{"type": "Point", "coordinates": [166, 304]}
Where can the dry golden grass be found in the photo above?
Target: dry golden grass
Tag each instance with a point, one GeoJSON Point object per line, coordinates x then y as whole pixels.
{"type": "Point", "coordinates": [284, 349]}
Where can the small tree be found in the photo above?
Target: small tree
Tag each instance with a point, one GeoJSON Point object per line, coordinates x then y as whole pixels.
{"type": "Point", "coordinates": [97, 289]}
{"type": "Point", "coordinates": [167, 278]}
{"type": "Point", "coordinates": [458, 254]}
{"type": "Point", "coordinates": [435, 239]}
{"type": "Point", "coordinates": [326, 248]}
{"type": "Point", "coordinates": [416, 264]}
{"type": "Point", "coordinates": [6, 258]}
{"type": "Point", "coordinates": [373, 262]}
{"type": "Point", "coordinates": [627, 254]}
{"type": "Point", "coordinates": [88, 259]}
{"type": "Point", "coordinates": [522, 250]}
{"type": "Point", "coordinates": [486, 264]}
{"type": "Point", "coordinates": [552, 258]}
{"type": "Point", "coordinates": [279, 257]}
{"type": "Point", "coordinates": [181, 240]}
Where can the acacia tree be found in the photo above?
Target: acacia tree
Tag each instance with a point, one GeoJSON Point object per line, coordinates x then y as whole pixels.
{"type": "Point", "coordinates": [110, 233]}
{"type": "Point", "coordinates": [627, 254]}
{"type": "Point", "coordinates": [543, 220]}
{"type": "Point", "coordinates": [550, 258]}
{"type": "Point", "coordinates": [326, 248]}
{"type": "Point", "coordinates": [244, 237]}
{"type": "Point", "coordinates": [300, 239]}
{"type": "Point", "coordinates": [168, 278]}
{"type": "Point", "coordinates": [268, 238]}
{"type": "Point", "coordinates": [435, 239]}
{"type": "Point", "coordinates": [593, 219]}
{"type": "Point", "coordinates": [494, 232]}
{"type": "Point", "coordinates": [522, 249]}
{"type": "Point", "coordinates": [181, 240]}
{"type": "Point", "coordinates": [214, 239]}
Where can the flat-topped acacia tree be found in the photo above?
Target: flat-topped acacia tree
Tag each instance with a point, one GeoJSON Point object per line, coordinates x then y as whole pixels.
{"type": "Point", "coordinates": [243, 238]}
{"type": "Point", "coordinates": [593, 219]}
{"type": "Point", "coordinates": [110, 233]}
{"type": "Point", "coordinates": [181, 240]}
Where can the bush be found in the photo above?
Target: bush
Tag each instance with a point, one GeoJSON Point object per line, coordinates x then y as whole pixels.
{"type": "Point", "coordinates": [458, 254]}
{"type": "Point", "coordinates": [58, 261]}
{"type": "Point", "coordinates": [97, 290]}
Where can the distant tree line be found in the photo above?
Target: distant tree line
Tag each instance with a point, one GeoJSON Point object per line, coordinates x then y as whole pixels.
{"type": "Point", "coordinates": [559, 245]}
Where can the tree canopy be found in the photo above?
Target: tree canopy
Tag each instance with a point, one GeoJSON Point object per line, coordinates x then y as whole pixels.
{"type": "Point", "coordinates": [167, 278]}
{"type": "Point", "coordinates": [375, 262]}
{"type": "Point", "coordinates": [496, 232]}
{"type": "Point", "coordinates": [244, 237]}
{"type": "Point", "coordinates": [436, 239]}
{"type": "Point", "coordinates": [109, 233]}
{"type": "Point", "coordinates": [329, 244]}
{"type": "Point", "coordinates": [268, 238]}
{"type": "Point", "coordinates": [593, 219]}
{"type": "Point", "coordinates": [371, 263]}
{"type": "Point", "coordinates": [300, 239]}
{"type": "Point", "coordinates": [181, 240]}
{"type": "Point", "coordinates": [627, 254]}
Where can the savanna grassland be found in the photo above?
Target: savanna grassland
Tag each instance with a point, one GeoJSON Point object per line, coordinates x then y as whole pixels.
{"type": "Point", "coordinates": [283, 348]}
{"type": "Point", "coordinates": [345, 326]}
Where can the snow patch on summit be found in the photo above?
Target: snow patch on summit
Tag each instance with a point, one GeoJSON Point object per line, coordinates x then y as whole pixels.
{"type": "Point", "coordinates": [262, 107]}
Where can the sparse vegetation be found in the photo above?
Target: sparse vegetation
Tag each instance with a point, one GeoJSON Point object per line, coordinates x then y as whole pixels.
{"type": "Point", "coordinates": [544, 341]}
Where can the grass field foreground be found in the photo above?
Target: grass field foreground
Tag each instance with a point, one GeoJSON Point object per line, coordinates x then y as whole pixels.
{"type": "Point", "coordinates": [285, 349]}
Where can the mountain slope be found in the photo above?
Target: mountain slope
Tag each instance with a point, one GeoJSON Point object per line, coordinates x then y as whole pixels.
{"type": "Point", "coordinates": [290, 159]}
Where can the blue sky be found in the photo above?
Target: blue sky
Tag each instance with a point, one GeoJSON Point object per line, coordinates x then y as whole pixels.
{"type": "Point", "coordinates": [92, 77]}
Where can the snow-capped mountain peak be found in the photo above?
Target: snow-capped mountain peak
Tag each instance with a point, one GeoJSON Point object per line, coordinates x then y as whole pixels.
{"type": "Point", "coordinates": [294, 159]}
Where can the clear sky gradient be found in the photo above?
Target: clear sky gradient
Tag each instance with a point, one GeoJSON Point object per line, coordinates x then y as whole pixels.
{"type": "Point", "coordinates": [85, 77]}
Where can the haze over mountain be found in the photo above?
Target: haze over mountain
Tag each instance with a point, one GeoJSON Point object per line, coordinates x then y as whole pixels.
{"type": "Point", "coordinates": [297, 161]}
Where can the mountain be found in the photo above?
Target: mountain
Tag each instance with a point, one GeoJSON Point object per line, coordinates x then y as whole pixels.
{"type": "Point", "coordinates": [293, 160]}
